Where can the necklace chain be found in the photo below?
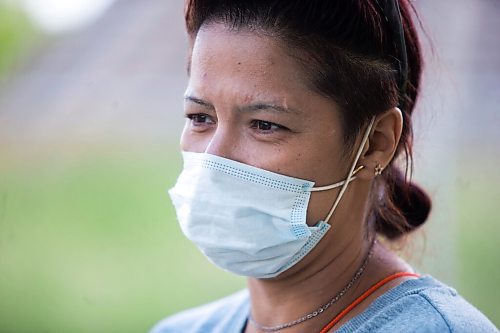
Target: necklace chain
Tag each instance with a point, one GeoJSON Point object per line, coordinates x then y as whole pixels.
{"type": "Point", "coordinates": [322, 308]}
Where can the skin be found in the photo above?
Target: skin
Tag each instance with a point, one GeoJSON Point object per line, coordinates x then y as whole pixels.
{"type": "Point", "coordinates": [247, 100]}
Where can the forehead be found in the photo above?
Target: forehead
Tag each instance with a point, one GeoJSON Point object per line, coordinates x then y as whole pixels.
{"type": "Point", "coordinates": [243, 58]}
{"type": "Point", "coordinates": [214, 36]}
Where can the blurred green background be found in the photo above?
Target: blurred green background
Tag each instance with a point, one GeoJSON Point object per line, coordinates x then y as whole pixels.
{"type": "Point", "coordinates": [89, 244]}
{"type": "Point", "coordinates": [88, 238]}
{"type": "Point", "coordinates": [16, 34]}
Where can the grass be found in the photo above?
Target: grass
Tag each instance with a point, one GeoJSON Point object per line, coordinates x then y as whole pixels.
{"type": "Point", "coordinates": [89, 243]}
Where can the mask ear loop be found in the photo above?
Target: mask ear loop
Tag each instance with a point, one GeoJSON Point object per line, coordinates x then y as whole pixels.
{"type": "Point", "coordinates": [351, 171]}
{"type": "Point", "coordinates": [331, 187]}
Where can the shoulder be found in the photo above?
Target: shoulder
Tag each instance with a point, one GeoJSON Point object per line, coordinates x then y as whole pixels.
{"type": "Point", "coordinates": [421, 305]}
{"type": "Point", "coordinates": [219, 316]}
{"type": "Point", "coordinates": [458, 314]}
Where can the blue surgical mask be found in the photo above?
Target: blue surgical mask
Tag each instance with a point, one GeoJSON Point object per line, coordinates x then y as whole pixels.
{"type": "Point", "coordinates": [247, 220]}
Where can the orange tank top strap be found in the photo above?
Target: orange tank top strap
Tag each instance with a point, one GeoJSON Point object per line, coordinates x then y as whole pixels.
{"type": "Point", "coordinates": [364, 296]}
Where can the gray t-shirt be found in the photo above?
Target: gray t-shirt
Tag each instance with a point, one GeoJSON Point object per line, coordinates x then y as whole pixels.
{"type": "Point", "coordinates": [418, 305]}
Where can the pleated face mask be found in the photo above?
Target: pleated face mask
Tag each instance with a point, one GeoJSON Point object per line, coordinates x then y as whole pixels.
{"type": "Point", "coordinates": [247, 220]}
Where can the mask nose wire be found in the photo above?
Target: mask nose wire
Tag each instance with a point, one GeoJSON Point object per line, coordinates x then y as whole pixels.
{"type": "Point", "coordinates": [350, 175]}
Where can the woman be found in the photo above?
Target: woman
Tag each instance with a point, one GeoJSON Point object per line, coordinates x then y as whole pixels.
{"type": "Point", "coordinates": [297, 113]}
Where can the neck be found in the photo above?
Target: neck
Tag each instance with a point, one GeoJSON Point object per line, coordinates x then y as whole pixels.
{"type": "Point", "coordinates": [282, 300]}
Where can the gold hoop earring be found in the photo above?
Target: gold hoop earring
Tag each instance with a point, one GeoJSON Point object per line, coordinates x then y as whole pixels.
{"type": "Point", "coordinates": [378, 170]}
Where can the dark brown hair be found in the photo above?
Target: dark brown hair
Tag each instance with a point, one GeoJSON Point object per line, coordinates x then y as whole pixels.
{"type": "Point", "coordinates": [348, 51]}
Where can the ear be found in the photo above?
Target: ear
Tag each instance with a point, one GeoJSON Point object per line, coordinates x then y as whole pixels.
{"type": "Point", "coordinates": [382, 143]}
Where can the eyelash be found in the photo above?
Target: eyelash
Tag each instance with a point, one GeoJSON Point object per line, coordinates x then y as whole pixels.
{"type": "Point", "coordinates": [193, 118]}
{"type": "Point", "coordinates": [255, 124]}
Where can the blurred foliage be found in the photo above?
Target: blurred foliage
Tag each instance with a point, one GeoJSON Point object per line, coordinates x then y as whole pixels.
{"type": "Point", "coordinates": [89, 243]}
{"type": "Point", "coordinates": [17, 35]}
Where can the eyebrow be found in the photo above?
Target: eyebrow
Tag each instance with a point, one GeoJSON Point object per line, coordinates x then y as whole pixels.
{"type": "Point", "coordinates": [250, 108]}
{"type": "Point", "coordinates": [266, 106]}
{"type": "Point", "coordinates": [198, 101]}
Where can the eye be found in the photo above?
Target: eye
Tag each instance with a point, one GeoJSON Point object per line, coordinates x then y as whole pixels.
{"type": "Point", "coordinates": [200, 119]}
{"type": "Point", "coordinates": [266, 126]}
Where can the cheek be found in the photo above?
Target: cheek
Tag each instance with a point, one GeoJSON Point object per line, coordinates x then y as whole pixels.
{"type": "Point", "coordinates": [193, 142]}
{"type": "Point", "coordinates": [320, 159]}
{"type": "Point", "coordinates": [325, 165]}
{"type": "Point", "coordinates": [328, 169]}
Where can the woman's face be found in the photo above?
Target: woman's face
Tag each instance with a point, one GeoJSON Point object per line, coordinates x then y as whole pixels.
{"type": "Point", "coordinates": [247, 100]}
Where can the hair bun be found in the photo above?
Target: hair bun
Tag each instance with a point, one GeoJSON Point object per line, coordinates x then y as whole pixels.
{"type": "Point", "coordinates": [413, 202]}
{"type": "Point", "coordinates": [405, 207]}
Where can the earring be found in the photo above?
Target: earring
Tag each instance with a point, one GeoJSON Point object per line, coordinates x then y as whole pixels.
{"type": "Point", "coordinates": [378, 170]}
